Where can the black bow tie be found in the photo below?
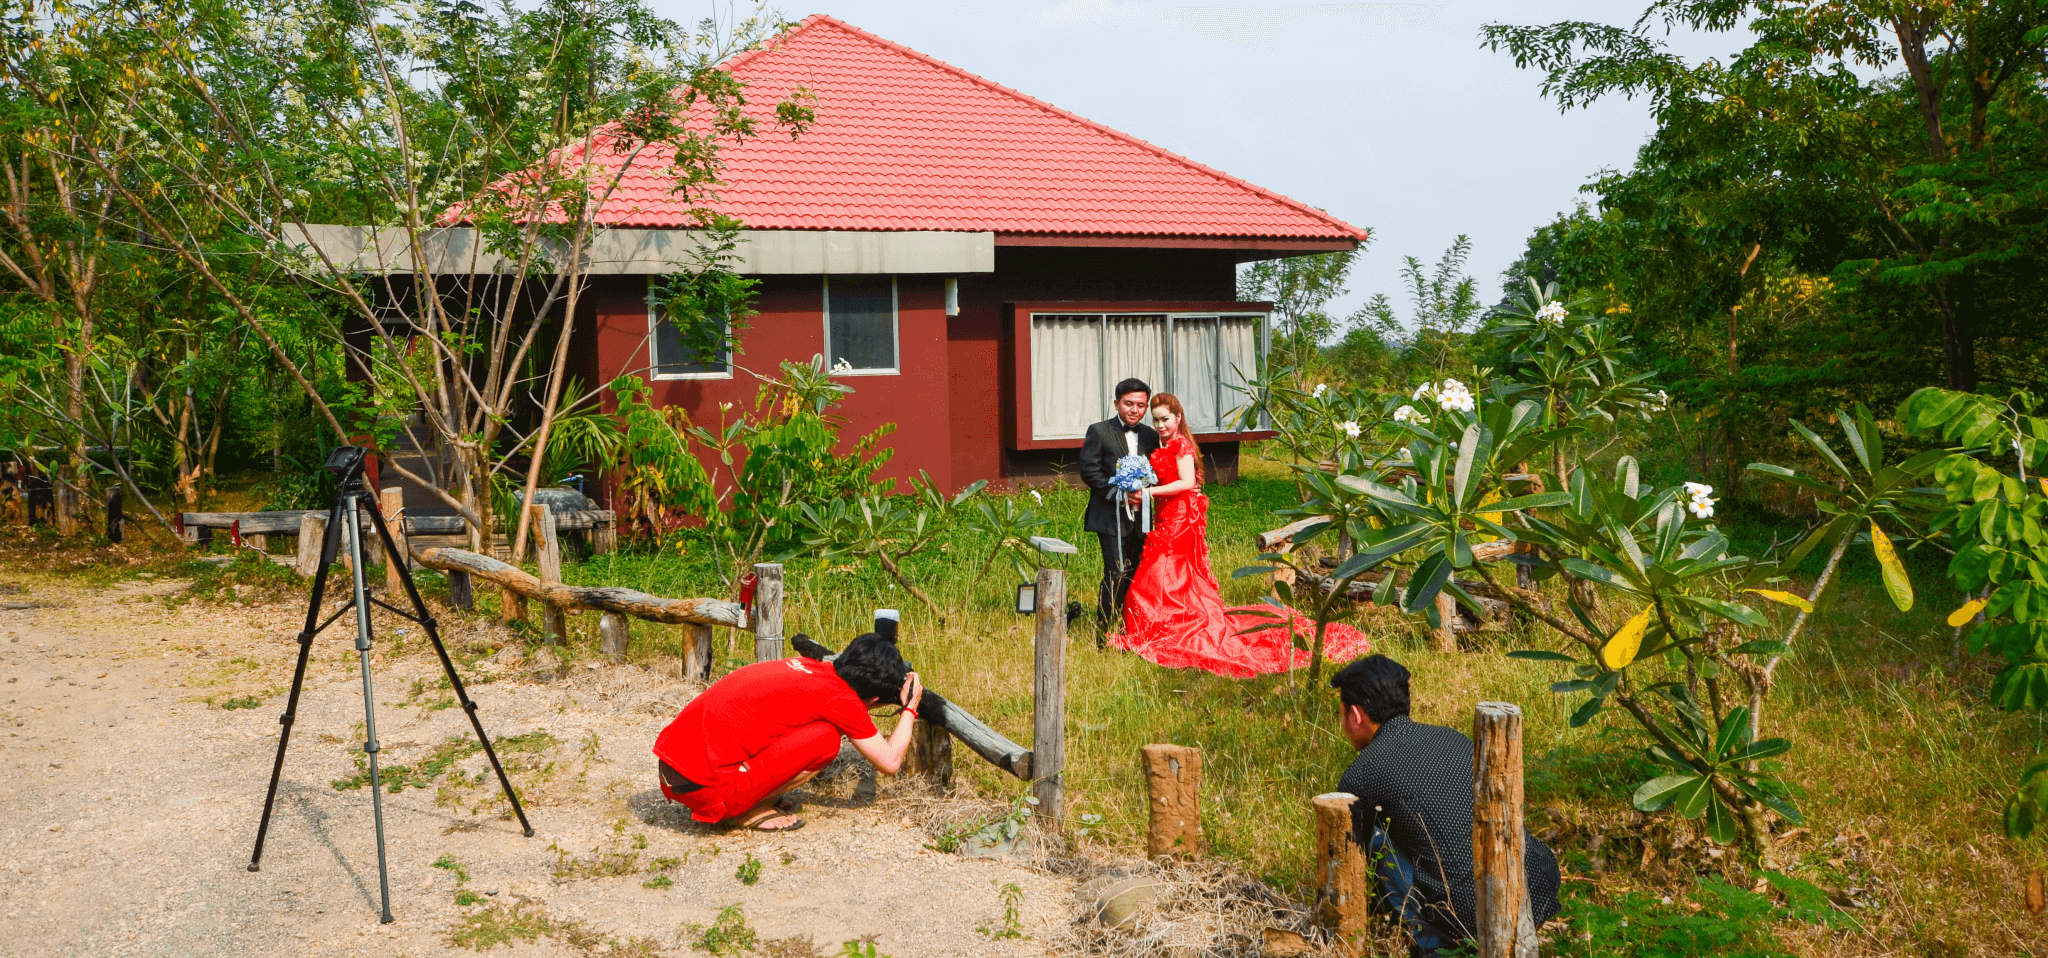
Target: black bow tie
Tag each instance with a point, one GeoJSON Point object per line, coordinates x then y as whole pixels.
{"type": "Point", "coordinates": [1131, 428]}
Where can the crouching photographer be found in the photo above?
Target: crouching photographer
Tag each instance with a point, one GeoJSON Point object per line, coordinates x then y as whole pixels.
{"type": "Point", "coordinates": [767, 728]}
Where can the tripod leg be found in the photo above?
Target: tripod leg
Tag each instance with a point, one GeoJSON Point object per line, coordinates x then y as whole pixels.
{"type": "Point", "coordinates": [427, 622]}
{"type": "Point", "coordinates": [370, 748]}
{"type": "Point", "coordinates": [291, 707]}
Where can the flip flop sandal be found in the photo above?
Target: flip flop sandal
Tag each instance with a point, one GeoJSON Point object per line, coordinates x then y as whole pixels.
{"type": "Point", "coordinates": [759, 825]}
{"type": "Point", "coordinates": [787, 806]}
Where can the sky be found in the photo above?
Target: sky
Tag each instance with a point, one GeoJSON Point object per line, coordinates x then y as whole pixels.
{"type": "Point", "coordinates": [1391, 116]}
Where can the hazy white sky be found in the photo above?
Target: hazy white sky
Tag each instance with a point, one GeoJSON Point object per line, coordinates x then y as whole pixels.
{"type": "Point", "coordinates": [1389, 115]}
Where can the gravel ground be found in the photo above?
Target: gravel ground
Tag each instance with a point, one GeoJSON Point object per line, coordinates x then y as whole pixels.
{"type": "Point", "coordinates": [129, 798]}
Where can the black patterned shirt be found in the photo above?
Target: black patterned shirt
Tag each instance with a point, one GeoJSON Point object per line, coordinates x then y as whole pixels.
{"type": "Point", "coordinates": [1415, 781]}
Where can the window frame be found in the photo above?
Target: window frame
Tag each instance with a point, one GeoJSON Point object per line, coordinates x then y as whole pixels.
{"type": "Point", "coordinates": [654, 373]}
{"type": "Point", "coordinates": [895, 328]}
{"type": "Point", "coordinates": [1019, 421]}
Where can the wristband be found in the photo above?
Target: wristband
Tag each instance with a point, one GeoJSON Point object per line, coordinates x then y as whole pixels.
{"type": "Point", "coordinates": [912, 711]}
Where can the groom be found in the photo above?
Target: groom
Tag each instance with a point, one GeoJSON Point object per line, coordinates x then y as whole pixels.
{"type": "Point", "coordinates": [1126, 434]}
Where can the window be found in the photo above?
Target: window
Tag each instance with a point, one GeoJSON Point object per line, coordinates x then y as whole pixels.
{"type": "Point", "coordinates": [860, 323]}
{"type": "Point", "coordinates": [674, 357]}
{"type": "Point", "coordinates": [1077, 358]}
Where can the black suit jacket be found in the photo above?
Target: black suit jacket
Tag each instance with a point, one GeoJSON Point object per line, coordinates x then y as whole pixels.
{"type": "Point", "coordinates": [1099, 454]}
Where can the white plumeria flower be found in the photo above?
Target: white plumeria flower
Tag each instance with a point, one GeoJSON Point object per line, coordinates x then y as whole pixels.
{"type": "Point", "coordinates": [1698, 490]}
{"type": "Point", "coordinates": [1424, 391]}
{"type": "Point", "coordinates": [1408, 414]}
{"type": "Point", "coordinates": [1321, 388]}
{"type": "Point", "coordinates": [1552, 314]}
{"type": "Point", "coordinates": [1456, 397]}
{"type": "Point", "coordinates": [1035, 497]}
{"type": "Point", "coordinates": [1350, 427]}
{"type": "Point", "coordinates": [1701, 508]}
{"type": "Point", "coordinates": [842, 366]}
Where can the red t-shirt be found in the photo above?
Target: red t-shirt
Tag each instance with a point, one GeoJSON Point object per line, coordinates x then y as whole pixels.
{"type": "Point", "coordinates": [740, 715]}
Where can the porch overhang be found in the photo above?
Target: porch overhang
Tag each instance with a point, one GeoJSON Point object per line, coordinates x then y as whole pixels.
{"type": "Point", "coordinates": [458, 251]}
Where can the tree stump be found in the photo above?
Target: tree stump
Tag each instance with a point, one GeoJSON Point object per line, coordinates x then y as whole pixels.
{"type": "Point", "coordinates": [1343, 875]}
{"type": "Point", "coordinates": [1506, 928]}
{"type": "Point", "coordinates": [1173, 776]}
{"type": "Point", "coordinates": [614, 631]}
{"type": "Point", "coordinates": [461, 592]}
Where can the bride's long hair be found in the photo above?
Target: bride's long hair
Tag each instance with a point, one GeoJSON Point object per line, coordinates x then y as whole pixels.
{"type": "Point", "coordinates": [1172, 403]}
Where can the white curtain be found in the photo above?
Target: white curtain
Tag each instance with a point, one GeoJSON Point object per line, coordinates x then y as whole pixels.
{"type": "Point", "coordinates": [1132, 346]}
{"type": "Point", "coordinates": [1077, 359]}
{"type": "Point", "coordinates": [1194, 369]}
{"type": "Point", "coordinates": [1239, 363]}
{"type": "Point", "coordinates": [1066, 375]}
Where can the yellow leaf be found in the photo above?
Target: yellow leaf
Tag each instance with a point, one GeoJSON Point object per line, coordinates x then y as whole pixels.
{"type": "Point", "coordinates": [1896, 584]}
{"type": "Point", "coordinates": [1784, 598]}
{"type": "Point", "coordinates": [1962, 616]}
{"type": "Point", "coordinates": [1621, 650]}
{"type": "Point", "coordinates": [2044, 486]}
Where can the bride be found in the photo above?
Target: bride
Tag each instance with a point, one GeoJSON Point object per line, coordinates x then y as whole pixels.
{"type": "Point", "coordinates": [1175, 615]}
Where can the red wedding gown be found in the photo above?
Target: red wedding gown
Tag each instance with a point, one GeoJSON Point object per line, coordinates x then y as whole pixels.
{"type": "Point", "coordinates": [1175, 615]}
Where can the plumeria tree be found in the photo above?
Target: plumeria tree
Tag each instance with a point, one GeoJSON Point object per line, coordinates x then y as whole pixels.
{"type": "Point", "coordinates": [1995, 490]}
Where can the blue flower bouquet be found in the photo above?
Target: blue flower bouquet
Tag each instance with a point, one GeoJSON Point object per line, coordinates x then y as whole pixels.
{"type": "Point", "coordinates": [1134, 474]}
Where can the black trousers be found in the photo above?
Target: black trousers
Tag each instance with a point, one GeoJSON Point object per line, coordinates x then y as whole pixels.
{"type": "Point", "coordinates": [1119, 566]}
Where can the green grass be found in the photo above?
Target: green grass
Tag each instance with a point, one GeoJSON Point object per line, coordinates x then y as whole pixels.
{"type": "Point", "coordinates": [1895, 748]}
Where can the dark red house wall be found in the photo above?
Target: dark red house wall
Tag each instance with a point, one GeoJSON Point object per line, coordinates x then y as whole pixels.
{"type": "Point", "coordinates": [791, 326]}
{"type": "Point", "coordinates": [951, 399]}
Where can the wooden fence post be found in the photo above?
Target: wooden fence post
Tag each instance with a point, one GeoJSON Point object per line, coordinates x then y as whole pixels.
{"type": "Point", "coordinates": [1506, 928]}
{"type": "Point", "coordinates": [547, 551]}
{"type": "Point", "coordinates": [767, 611]}
{"type": "Point", "coordinates": [391, 502]}
{"type": "Point", "coordinates": [1343, 874]}
{"type": "Point", "coordinates": [604, 536]}
{"type": "Point", "coordinates": [697, 653]}
{"type": "Point", "coordinates": [1446, 613]}
{"type": "Point", "coordinates": [1173, 776]}
{"type": "Point", "coordinates": [312, 529]}
{"type": "Point", "coordinates": [67, 508]}
{"type": "Point", "coordinates": [114, 532]}
{"type": "Point", "coordinates": [614, 631]}
{"type": "Point", "coordinates": [461, 593]}
{"type": "Point", "coordinates": [1049, 697]}
{"type": "Point", "coordinates": [931, 754]}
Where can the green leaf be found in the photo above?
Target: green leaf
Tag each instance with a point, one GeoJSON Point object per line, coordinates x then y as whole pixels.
{"type": "Point", "coordinates": [1721, 825]}
{"type": "Point", "coordinates": [1734, 612]}
{"type": "Point", "coordinates": [1538, 655]}
{"type": "Point", "coordinates": [1760, 647]}
{"type": "Point", "coordinates": [1662, 791]}
{"type": "Point", "coordinates": [1761, 749]}
{"type": "Point", "coordinates": [1693, 797]}
{"type": "Point", "coordinates": [1541, 500]}
{"type": "Point", "coordinates": [1252, 570]}
{"type": "Point", "coordinates": [1586, 712]}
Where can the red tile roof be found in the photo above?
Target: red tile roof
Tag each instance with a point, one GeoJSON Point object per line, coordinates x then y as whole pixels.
{"type": "Point", "coordinates": [905, 142]}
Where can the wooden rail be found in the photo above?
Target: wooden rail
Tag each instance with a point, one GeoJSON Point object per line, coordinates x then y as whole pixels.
{"type": "Point", "coordinates": [601, 525]}
{"type": "Point", "coordinates": [630, 602]}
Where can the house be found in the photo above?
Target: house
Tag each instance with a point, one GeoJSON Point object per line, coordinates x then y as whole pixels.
{"type": "Point", "coordinates": [985, 265]}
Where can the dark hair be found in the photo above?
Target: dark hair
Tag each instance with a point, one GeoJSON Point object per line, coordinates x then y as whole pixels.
{"type": "Point", "coordinates": [873, 668]}
{"type": "Point", "coordinates": [1172, 402]}
{"type": "Point", "coordinates": [1377, 684]}
{"type": "Point", "coordinates": [1131, 385]}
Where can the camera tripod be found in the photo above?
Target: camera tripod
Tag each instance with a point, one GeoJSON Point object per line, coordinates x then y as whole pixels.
{"type": "Point", "coordinates": [352, 501]}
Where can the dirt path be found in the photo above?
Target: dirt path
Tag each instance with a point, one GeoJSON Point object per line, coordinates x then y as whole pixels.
{"type": "Point", "coordinates": [128, 805]}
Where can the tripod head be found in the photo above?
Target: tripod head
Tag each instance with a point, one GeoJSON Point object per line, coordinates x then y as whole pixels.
{"type": "Point", "coordinates": [346, 462]}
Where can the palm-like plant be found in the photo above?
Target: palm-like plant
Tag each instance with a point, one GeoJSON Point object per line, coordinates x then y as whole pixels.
{"type": "Point", "coordinates": [888, 528]}
{"type": "Point", "coordinates": [1854, 498]}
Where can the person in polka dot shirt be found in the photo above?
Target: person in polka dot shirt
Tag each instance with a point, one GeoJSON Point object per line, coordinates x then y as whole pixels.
{"type": "Point", "coordinates": [1414, 788]}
